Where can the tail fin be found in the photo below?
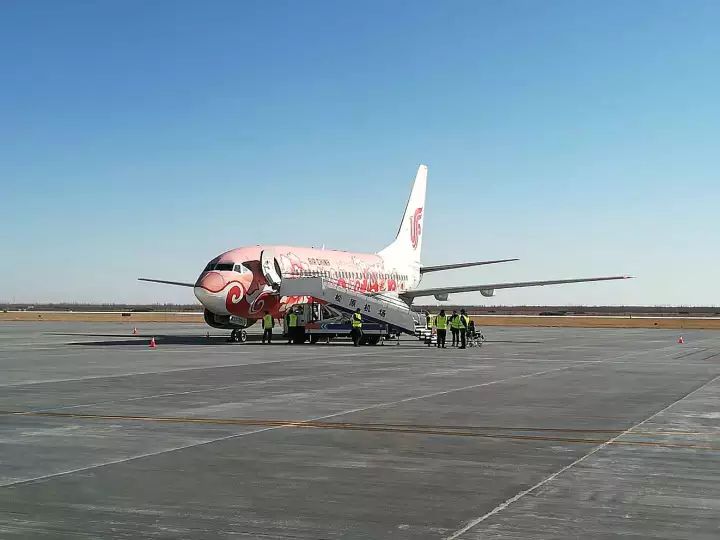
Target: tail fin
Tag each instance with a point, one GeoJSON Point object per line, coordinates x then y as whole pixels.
{"type": "Point", "coordinates": [408, 242]}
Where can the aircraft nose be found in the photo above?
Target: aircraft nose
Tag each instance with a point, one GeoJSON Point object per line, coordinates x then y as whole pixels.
{"type": "Point", "coordinates": [208, 290]}
{"type": "Point", "coordinates": [211, 282]}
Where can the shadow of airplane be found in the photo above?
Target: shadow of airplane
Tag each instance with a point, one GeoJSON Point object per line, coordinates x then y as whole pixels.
{"type": "Point", "coordinates": [143, 340]}
{"type": "Point", "coordinates": [120, 340]}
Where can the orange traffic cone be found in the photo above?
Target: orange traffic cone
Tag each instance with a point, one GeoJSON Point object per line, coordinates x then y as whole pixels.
{"type": "Point", "coordinates": [153, 345]}
{"type": "Point", "coordinates": [681, 340]}
{"type": "Point", "coordinates": [135, 331]}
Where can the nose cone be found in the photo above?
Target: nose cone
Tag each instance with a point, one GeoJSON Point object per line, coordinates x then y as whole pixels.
{"type": "Point", "coordinates": [212, 282]}
{"type": "Point", "coordinates": [209, 290]}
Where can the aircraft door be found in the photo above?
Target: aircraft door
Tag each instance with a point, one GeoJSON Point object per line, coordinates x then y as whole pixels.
{"type": "Point", "coordinates": [270, 268]}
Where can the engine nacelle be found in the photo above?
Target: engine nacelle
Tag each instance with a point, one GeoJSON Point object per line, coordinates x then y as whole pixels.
{"type": "Point", "coordinates": [487, 292]}
{"type": "Point", "coordinates": [224, 321]}
{"type": "Point", "coordinates": [441, 297]}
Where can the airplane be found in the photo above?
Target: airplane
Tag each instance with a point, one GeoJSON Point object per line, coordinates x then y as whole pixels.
{"type": "Point", "coordinates": [238, 286]}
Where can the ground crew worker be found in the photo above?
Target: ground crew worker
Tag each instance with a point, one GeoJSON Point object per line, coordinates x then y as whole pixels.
{"type": "Point", "coordinates": [428, 320]}
{"type": "Point", "coordinates": [464, 321]}
{"type": "Point", "coordinates": [356, 331]}
{"type": "Point", "coordinates": [292, 322]}
{"type": "Point", "coordinates": [267, 323]}
{"type": "Point", "coordinates": [441, 327]}
{"type": "Point", "coordinates": [455, 325]}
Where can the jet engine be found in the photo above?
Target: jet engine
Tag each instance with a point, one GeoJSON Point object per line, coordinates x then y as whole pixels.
{"type": "Point", "coordinates": [487, 292]}
{"type": "Point", "coordinates": [226, 322]}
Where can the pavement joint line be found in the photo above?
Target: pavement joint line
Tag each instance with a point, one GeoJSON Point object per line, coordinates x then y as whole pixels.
{"type": "Point", "coordinates": [403, 428]}
{"type": "Point", "coordinates": [368, 353]}
{"type": "Point", "coordinates": [169, 394]}
{"type": "Point", "coordinates": [473, 523]}
{"type": "Point", "coordinates": [238, 435]}
{"type": "Point", "coordinates": [360, 409]}
{"type": "Point", "coordinates": [696, 351]}
{"type": "Point", "coordinates": [90, 377]}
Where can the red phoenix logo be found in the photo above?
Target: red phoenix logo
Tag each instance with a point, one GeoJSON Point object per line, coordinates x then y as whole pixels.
{"type": "Point", "coordinates": [415, 229]}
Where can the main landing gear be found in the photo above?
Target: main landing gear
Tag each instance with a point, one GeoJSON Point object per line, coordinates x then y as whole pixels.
{"type": "Point", "coordinates": [238, 336]}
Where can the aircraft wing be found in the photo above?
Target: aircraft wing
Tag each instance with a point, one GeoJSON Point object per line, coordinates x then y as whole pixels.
{"type": "Point", "coordinates": [180, 283]}
{"type": "Point", "coordinates": [487, 290]}
{"type": "Point", "coordinates": [438, 268]}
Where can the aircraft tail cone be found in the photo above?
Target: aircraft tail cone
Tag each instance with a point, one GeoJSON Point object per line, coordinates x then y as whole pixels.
{"type": "Point", "coordinates": [681, 340]}
{"type": "Point", "coordinates": [153, 345]}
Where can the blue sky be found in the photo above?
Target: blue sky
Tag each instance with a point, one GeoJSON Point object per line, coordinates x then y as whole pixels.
{"type": "Point", "coordinates": [144, 138]}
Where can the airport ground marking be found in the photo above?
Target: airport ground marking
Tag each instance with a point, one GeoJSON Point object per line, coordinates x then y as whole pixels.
{"type": "Point", "coordinates": [345, 412]}
{"type": "Point", "coordinates": [475, 522]}
{"type": "Point", "coordinates": [176, 370]}
{"type": "Point", "coordinates": [485, 366]}
{"type": "Point", "coordinates": [272, 428]}
{"type": "Point", "coordinates": [413, 429]}
{"type": "Point", "coordinates": [169, 394]}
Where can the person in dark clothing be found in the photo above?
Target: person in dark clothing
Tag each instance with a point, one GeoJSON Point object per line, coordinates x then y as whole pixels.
{"type": "Point", "coordinates": [356, 330]}
{"type": "Point", "coordinates": [267, 324]}
{"type": "Point", "coordinates": [455, 328]}
{"type": "Point", "coordinates": [464, 321]}
{"type": "Point", "coordinates": [441, 322]}
{"type": "Point", "coordinates": [292, 326]}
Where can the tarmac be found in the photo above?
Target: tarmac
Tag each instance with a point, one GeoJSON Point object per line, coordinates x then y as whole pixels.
{"type": "Point", "coordinates": [540, 433]}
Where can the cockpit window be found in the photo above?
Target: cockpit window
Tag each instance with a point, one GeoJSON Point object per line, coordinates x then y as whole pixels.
{"type": "Point", "coordinates": [241, 269]}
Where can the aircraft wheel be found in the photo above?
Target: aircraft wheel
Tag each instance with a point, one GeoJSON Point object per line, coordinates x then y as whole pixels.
{"type": "Point", "coordinates": [373, 340]}
{"type": "Point", "coordinates": [238, 336]}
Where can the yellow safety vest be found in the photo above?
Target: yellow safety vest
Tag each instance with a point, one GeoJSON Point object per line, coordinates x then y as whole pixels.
{"type": "Point", "coordinates": [467, 320]}
{"type": "Point", "coordinates": [441, 322]}
{"type": "Point", "coordinates": [357, 320]}
{"type": "Point", "coordinates": [292, 320]}
{"type": "Point", "coordinates": [455, 322]}
{"type": "Point", "coordinates": [267, 322]}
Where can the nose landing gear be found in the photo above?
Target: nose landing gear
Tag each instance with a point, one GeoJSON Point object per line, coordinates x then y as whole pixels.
{"type": "Point", "coordinates": [238, 336]}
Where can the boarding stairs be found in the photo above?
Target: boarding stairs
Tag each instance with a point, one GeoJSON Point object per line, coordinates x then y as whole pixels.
{"type": "Point", "coordinates": [377, 307]}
